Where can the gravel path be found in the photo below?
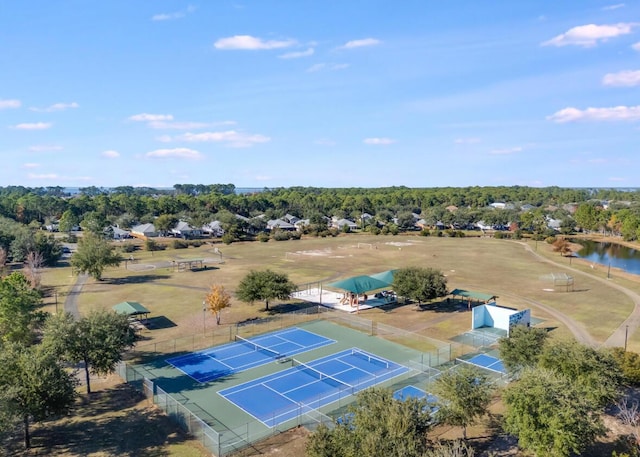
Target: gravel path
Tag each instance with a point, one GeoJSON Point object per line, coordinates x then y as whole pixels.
{"type": "Point", "coordinates": [71, 302]}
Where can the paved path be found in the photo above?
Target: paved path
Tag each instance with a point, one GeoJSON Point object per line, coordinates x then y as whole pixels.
{"type": "Point", "coordinates": [71, 302]}
{"type": "Point", "coordinates": [626, 329]}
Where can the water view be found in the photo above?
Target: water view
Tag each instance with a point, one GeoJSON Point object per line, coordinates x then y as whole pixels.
{"type": "Point", "coordinates": [616, 255]}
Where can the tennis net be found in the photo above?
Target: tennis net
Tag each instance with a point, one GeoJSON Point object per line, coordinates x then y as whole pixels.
{"type": "Point", "coordinates": [301, 366]}
{"type": "Point", "coordinates": [257, 347]}
{"type": "Point", "coordinates": [369, 358]}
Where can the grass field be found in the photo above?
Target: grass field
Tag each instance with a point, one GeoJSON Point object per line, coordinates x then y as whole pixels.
{"type": "Point", "coordinates": [499, 267]}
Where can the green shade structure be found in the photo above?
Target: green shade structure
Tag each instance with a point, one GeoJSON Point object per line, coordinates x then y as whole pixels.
{"type": "Point", "coordinates": [386, 276]}
{"type": "Point", "coordinates": [359, 284]}
{"type": "Point", "coordinates": [472, 295]}
{"type": "Point", "coordinates": [130, 308]}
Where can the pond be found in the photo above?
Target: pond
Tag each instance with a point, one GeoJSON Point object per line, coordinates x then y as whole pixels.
{"type": "Point", "coordinates": [616, 255]}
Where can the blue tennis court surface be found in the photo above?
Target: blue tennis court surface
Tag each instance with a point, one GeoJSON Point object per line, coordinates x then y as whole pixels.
{"type": "Point", "coordinates": [414, 392]}
{"type": "Point", "coordinates": [212, 363]}
{"type": "Point", "coordinates": [488, 362]}
{"type": "Point", "coordinates": [282, 396]}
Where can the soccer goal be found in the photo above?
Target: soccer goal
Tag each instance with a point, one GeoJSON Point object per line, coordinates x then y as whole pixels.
{"type": "Point", "coordinates": [365, 246]}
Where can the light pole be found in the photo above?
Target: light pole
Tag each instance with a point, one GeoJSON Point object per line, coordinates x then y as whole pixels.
{"type": "Point", "coordinates": [626, 334]}
{"type": "Point", "coordinates": [204, 316]}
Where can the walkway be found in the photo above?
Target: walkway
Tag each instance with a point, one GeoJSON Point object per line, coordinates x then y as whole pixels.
{"type": "Point", "coordinates": [71, 302]}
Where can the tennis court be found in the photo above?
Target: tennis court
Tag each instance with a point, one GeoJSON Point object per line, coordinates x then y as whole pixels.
{"type": "Point", "coordinates": [304, 387]}
{"type": "Point", "coordinates": [415, 392]}
{"type": "Point", "coordinates": [487, 362]}
{"type": "Point", "coordinates": [243, 354]}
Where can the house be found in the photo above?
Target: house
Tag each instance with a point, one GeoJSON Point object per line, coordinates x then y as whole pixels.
{"type": "Point", "coordinates": [290, 219]}
{"type": "Point", "coordinates": [482, 225]}
{"type": "Point", "coordinates": [274, 224]}
{"type": "Point", "coordinates": [554, 224]}
{"type": "Point", "coordinates": [185, 230]}
{"type": "Point", "coordinates": [302, 223]}
{"type": "Point", "coordinates": [117, 233]}
{"type": "Point", "coordinates": [339, 223]}
{"type": "Point", "coordinates": [213, 228]}
{"type": "Point", "coordinates": [144, 231]}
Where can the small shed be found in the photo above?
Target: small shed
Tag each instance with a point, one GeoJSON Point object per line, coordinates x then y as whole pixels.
{"type": "Point", "coordinates": [471, 295]}
{"type": "Point", "coordinates": [131, 309]}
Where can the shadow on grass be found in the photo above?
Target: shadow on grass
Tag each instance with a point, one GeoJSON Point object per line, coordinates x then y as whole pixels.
{"type": "Point", "coordinates": [283, 308]}
{"type": "Point", "coordinates": [135, 279]}
{"type": "Point", "coordinates": [159, 322]}
{"type": "Point", "coordinates": [109, 422]}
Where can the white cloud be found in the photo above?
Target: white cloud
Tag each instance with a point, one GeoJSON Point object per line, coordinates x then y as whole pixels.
{"type": "Point", "coordinates": [636, 46]}
{"type": "Point", "coordinates": [589, 35]}
{"type": "Point", "coordinates": [5, 104]}
{"type": "Point", "coordinates": [146, 117]}
{"type": "Point", "coordinates": [615, 113]}
{"type": "Point", "coordinates": [33, 126]}
{"type": "Point", "coordinates": [159, 125]}
{"type": "Point", "coordinates": [180, 153]}
{"type": "Point", "coordinates": [30, 165]}
{"type": "Point", "coordinates": [164, 138]}
{"type": "Point", "coordinates": [505, 151]}
{"type": "Point", "coordinates": [56, 107]}
{"type": "Point", "coordinates": [250, 43]}
{"type": "Point", "coordinates": [613, 7]}
{"type": "Point", "coordinates": [378, 141]}
{"type": "Point", "coordinates": [297, 54]}
{"type": "Point", "coordinates": [467, 140]}
{"type": "Point", "coordinates": [324, 66]}
{"type": "Point", "coordinates": [360, 43]}
{"type": "Point", "coordinates": [622, 78]}
{"type": "Point", "coordinates": [231, 138]}
{"type": "Point", "coordinates": [48, 176]}
{"type": "Point", "coordinates": [110, 154]}
{"type": "Point", "coordinates": [174, 15]}
{"type": "Point", "coordinates": [617, 179]}
{"type": "Point", "coordinates": [45, 148]}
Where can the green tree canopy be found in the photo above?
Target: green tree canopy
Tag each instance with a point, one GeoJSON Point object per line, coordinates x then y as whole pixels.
{"type": "Point", "coordinates": [420, 284]}
{"type": "Point", "coordinates": [375, 425]}
{"type": "Point", "coordinates": [463, 396]}
{"type": "Point", "coordinates": [265, 285]}
{"type": "Point", "coordinates": [18, 302]}
{"type": "Point", "coordinates": [34, 386]}
{"type": "Point", "coordinates": [595, 372]}
{"type": "Point", "coordinates": [522, 348]}
{"type": "Point", "coordinates": [97, 340]}
{"type": "Point", "coordinates": [94, 254]}
{"type": "Point", "coordinates": [550, 415]}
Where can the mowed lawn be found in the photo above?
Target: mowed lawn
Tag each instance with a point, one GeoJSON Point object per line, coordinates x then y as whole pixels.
{"type": "Point", "coordinates": [486, 265]}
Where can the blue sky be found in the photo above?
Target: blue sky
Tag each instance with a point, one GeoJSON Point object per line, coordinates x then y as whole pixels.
{"type": "Point", "coordinates": [328, 93]}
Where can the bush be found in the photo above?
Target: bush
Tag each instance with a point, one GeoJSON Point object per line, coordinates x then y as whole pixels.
{"type": "Point", "coordinates": [499, 235]}
{"type": "Point", "coordinates": [227, 238]}
{"type": "Point", "coordinates": [151, 245]}
{"type": "Point", "coordinates": [374, 230]}
{"type": "Point", "coordinates": [550, 239]}
{"type": "Point", "coordinates": [280, 235]}
{"type": "Point", "coordinates": [517, 234]}
{"type": "Point", "coordinates": [295, 235]}
{"type": "Point", "coordinates": [128, 247]}
{"type": "Point", "coordinates": [437, 233]}
{"type": "Point", "coordinates": [425, 232]}
{"type": "Point", "coordinates": [179, 244]}
{"type": "Point", "coordinates": [71, 238]}
{"type": "Point", "coordinates": [263, 237]}
{"type": "Point", "coordinates": [196, 243]}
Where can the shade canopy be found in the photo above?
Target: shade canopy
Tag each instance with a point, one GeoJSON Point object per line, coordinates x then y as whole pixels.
{"type": "Point", "coordinates": [471, 294]}
{"type": "Point", "coordinates": [130, 308]}
{"type": "Point", "coordinates": [359, 284]}
{"type": "Point", "coordinates": [386, 276]}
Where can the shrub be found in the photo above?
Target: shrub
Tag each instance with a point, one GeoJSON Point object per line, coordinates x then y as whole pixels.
{"type": "Point", "coordinates": [151, 245]}
{"type": "Point", "coordinates": [179, 244]}
{"type": "Point", "coordinates": [295, 235]}
{"type": "Point", "coordinates": [71, 238]}
{"type": "Point", "coordinates": [227, 238]}
{"type": "Point", "coordinates": [128, 247]}
{"type": "Point", "coordinates": [550, 239]}
{"type": "Point", "coordinates": [425, 232]}
{"type": "Point", "coordinates": [263, 237]}
{"type": "Point", "coordinates": [280, 235]}
{"type": "Point", "coordinates": [196, 243]}
{"type": "Point", "coordinates": [374, 230]}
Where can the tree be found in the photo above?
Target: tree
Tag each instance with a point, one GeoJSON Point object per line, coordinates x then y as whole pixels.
{"type": "Point", "coordinates": [463, 396]}
{"type": "Point", "coordinates": [455, 449]}
{"type": "Point", "coordinates": [265, 285]}
{"type": "Point", "coordinates": [563, 246]}
{"type": "Point", "coordinates": [165, 222]}
{"type": "Point", "coordinates": [217, 299]}
{"type": "Point", "coordinates": [594, 372]}
{"type": "Point", "coordinates": [94, 255]}
{"type": "Point", "coordinates": [94, 222]}
{"type": "Point", "coordinates": [550, 415]}
{"type": "Point", "coordinates": [522, 348]}
{"type": "Point", "coordinates": [68, 221]}
{"type": "Point", "coordinates": [34, 386]}
{"type": "Point", "coordinates": [629, 363]}
{"type": "Point", "coordinates": [375, 425]}
{"type": "Point", "coordinates": [97, 340]}
{"type": "Point", "coordinates": [18, 302]}
{"type": "Point", "coordinates": [418, 283]}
